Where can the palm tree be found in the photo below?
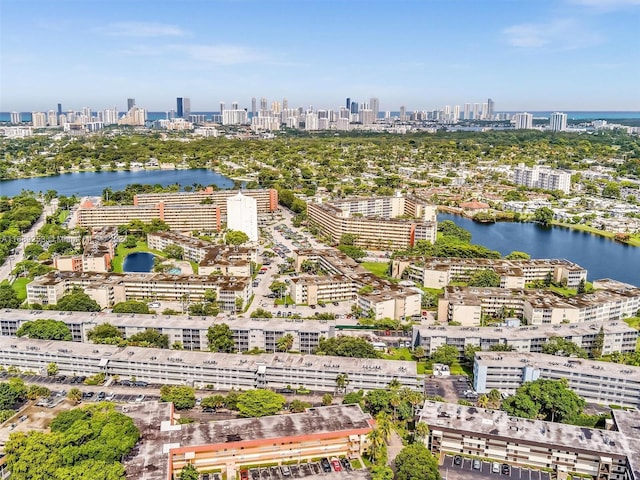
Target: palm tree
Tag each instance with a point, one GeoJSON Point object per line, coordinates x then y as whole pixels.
{"type": "Point", "coordinates": [285, 343]}
{"type": "Point", "coordinates": [384, 425]}
{"type": "Point", "coordinates": [422, 432]}
{"type": "Point", "coordinates": [395, 402]}
{"type": "Point", "coordinates": [394, 384]}
{"type": "Point", "coordinates": [376, 444]}
{"type": "Point", "coordinates": [75, 395]}
{"type": "Point", "coordinates": [482, 401]}
{"type": "Point", "coordinates": [342, 380]}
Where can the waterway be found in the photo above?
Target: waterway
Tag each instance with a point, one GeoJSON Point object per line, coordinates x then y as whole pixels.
{"type": "Point", "coordinates": [93, 183]}
{"type": "Point", "coordinates": [138, 262]}
{"type": "Point", "coordinates": [602, 257]}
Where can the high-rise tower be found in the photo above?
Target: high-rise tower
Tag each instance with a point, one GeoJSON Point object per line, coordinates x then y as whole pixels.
{"type": "Point", "coordinates": [131, 102]}
{"type": "Point", "coordinates": [374, 105]}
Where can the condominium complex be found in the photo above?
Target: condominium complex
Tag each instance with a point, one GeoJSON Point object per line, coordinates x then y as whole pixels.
{"type": "Point", "coordinates": [266, 200]}
{"type": "Point", "coordinates": [374, 221]}
{"type": "Point", "coordinates": [346, 280]}
{"type": "Point", "coordinates": [617, 337]}
{"type": "Point", "coordinates": [565, 449]}
{"type": "Point", "coordinates": [467, 305]}
{"type": "Point", "coordinates": [542, 177]}
{"type": "Point", "coordinates": [604, 383]}
{"type": "Point", "coordinates": [558, 122]}
{"type": "Point", "coordinates": [182, 217]}
{"type": "Point", "coordinates": [248, 333]}
{"type": "Point", "coordinates": [108, 289]}
{"type": "Point", "coordinates": [99, 250]}
{"type": "Point", "coordinates": [220, 371]}
{"type": "Point", "coordinates": [439, 272]}
{"type": "Point", "coordinates": [522, 121]}
{"type": "Point", "coordinates": [230, 445]}
{"type": "Point", "coordinates": [212, 258]}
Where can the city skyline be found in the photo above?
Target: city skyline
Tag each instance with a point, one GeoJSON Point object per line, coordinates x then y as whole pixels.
{"type": "Point", "coordinates": [533, 56]}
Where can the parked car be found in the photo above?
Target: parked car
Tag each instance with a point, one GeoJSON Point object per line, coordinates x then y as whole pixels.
{"type": "Point", "coordinates": [476, 464]}
{"type": "Point", "coordinates": [139, 398]}
{"type": "Point", "coordinates": [457, 460]}
{"type": "Point", "coordinates": [326, 466]}
{"type": "Point", "coordinates": [335, 463]}
{"type": "Point", "coordinates": [495, 467]}
{"type": "Point", "coordinates": [286, 471]}
{"type": "Point", "coordinates": [506, 469]}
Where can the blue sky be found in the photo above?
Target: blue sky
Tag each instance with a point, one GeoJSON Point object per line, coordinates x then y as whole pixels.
{"type": "Point", "coordinates": [525, 54]}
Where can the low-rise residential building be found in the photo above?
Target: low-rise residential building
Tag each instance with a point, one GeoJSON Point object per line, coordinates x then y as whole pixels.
{"type": "Point", "coordinates": [99, 250]}
{"type": "Point", "coordinates": [597, 382]}
{"type": "Point", "coordinates": [617, 336]}
{"type": "Point", "coordinates": [434, 272]}
{"type": "Point", "coordinates": [227, 446]}
{"type": "Point", "coordinates": [110, 288]}
{"type": "Point", "coordinates": [248, 333]}
{"type": "Point", "coordinates": [564, 449]}
{"type": "Point", "coordinates": [374, 221]}
{"type": "Point", "coordinates": [221, 371]}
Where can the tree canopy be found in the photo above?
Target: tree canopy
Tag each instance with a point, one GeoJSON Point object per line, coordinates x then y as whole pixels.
{"type": "Point", "coordinates": [562, 347]}
{"type": "Point", "coordinates": [149, 338]}
{"type": "Point", "coordinates": [8, 297]}
{"type": "Point", "coordinates": [235, 237]}
{"type": "Point", "coordinates": [545, 399]}
{"type": "Point", "coordinates": [220, 338]}
{"type": "Point", "coordinates": [484, 278]}
{"type": "Point", "coordinates": [86, 444]}
{"type": "Point", "coordinates": [130, 306]}
{"type": "Point", "coordinates": [182, 396]}
{"type": "Point", "coordinates": [415, 462]}
{"type": "Point", "coordinates": [260, 403]}
{"type": "Point", "coordinates": [346, 346]}
{"type": "Point", "coordinates": [45, 329]}
{"type": "Point", "coordinates": [105, 333]}
{"type": "Point", "coordinates": [78, 302]}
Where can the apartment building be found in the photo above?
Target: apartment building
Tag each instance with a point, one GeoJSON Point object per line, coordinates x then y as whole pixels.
{"type": "Point", "coordinates": [181, 217]}
{"type": "Point", "coordinates": [374, 221]}
{"type": "Point", "coordinates": [604, 383]}
{"type": "Point", "coordinates": [345, 280]}
{"type": "Point", "coordinates": [99, 250]}
{"type": "Point", "coordinates": [618, 336]}
{"type": "Point", "coordinates": [563, 449]}
{"type": "Point", "coordinates": [440, 272]}
{"type": "Point", "coordinates": [267, 199]}
{"type": "Point", "coordinates": [110, 288]}
{"type": "Point", "coordinates": [230, 445]}
{"type": "Point", "coordinates": [223, 371]}
{"type": "Point", "coordinates": [222, 259]}
{"type": "Point", "coordinates": [248, 333]}
{"type": "Point", "coordinates": [536, 307]}
{"type": "Point", "coordinates": [540, 176]}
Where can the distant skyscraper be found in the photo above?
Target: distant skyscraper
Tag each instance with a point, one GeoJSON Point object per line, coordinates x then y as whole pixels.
{"type": "Point", "coordinates": [523, 121]}
{"type": "Point", "coordinates": [374, 105]}
{"type": "Point", "coordinates": [263, 104]}
{"type": "Point", "coordinates": [476, 111]}
{"type": "Point", "coordinates": [183, 109]}
{"type": "Point", "coordinates": [52, 118]}
{"type": "Point", "coordinates": [59, 109]}
{"type": "Point", "coordinates": [180, 107]}
{"type": "Point", "coordinates": [456, 113]}
{"type": "Point", "coordinates": [38, 119]}
{"type": "Point", "coordinates": [222, 107]}
{"type": "Point", "coordinates": [285, 104]}
{"type": "Point", "coordinates": [234, 105]}
{"type": "Point", "coordinates": [15, 117]}
{"type": "Point", "coordinates": [558, 122]}
{"type": "Point", "coordinates": [491, 109]}
{"type": "Point", "coordinates": [354, 107]}
{"type": "Point", "coordinates": [253, 107]}
{"type": "Point", "coordinates": [348, 104]}
{"type": "Point", "coordinates": [131, 102]}
{"type": "Point", "coordinates": [467, 111]}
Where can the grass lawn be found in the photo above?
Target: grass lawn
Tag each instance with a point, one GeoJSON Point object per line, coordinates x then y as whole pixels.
{"type": "Point", "coordinates": [281, 301]}
{"type": "Point", "coordinates": [377, 268]}
{"type": "Point", "coordinates": [398, 354]}
{"type": "Point", "coordinates": [20, 287]}
{"type": "Point", "coordinates": [633, 322]}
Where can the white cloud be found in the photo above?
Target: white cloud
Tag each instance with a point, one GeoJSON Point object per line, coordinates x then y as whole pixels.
{"type": "Point", "coordinates": [559, 34]}
{"type": "Point", "coordinates": [141, 29]}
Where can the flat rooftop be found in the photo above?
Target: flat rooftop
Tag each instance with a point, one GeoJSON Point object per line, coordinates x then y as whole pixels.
{"type": "Point", "coordinates": [473, 421]}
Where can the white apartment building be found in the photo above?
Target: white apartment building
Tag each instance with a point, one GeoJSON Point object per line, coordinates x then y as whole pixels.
{"type": "Point", "coordinates": [563, 449]}
{"type": "Point", "coordinates": [522, 121]}
{"type": "Point", "coordinates": [604, 383]}
{"type": "Point", "coordinates": [242, 215]}
{"type": "Point", "coordinates": [222, 371]}
{"type": "Point", "coordinates": [540, 176]}
{"type": "Point", "coordinates": [558, 122]}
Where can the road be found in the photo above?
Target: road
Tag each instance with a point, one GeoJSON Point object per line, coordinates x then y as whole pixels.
{"type": "Point", "coordinates": [18, 256]}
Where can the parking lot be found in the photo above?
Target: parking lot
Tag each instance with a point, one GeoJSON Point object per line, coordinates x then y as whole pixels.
{"type": "Point", "coordinates": [451, 388]}
{"type": "Point", "coordinates": [325, 468]}
{"type": "Point", "coordinates": [450, 471]}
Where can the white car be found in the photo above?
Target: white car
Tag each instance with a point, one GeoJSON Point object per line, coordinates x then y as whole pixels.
{"type": "Point", "coordinates": [139, 398]}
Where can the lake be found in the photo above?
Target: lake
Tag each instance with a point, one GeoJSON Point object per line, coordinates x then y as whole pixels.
{"type": "Point", "coordinates": [602, 257]}
{"type": "Point", "coordinates": [138, 262]}
{"type": "Point", "coordinates": [92, 183]}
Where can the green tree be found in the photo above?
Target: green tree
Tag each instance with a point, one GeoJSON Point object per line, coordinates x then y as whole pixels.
{"type": "Point", "coordinates": [611, 190]}
{"type": "Point", "coordinates": [32, 251]}
{"type": "Point", "coordinates": [261, 313]}
{"type": "Point", "coordinates": [377, 401]}
{"type": "Point", "coordinates": [346, 347]}
{"type": "Point", "coordinates": [8, 297]}
{"type": "Point", "coordinates": [105, 333]}
{"type": "Point", "coordinates": [150, 337]}
{"type": "Point", "coordinates": [501, 347]}
{"type": "Point", "coordinates": [278, 287]}
{"type": "Point", "coordinates": [415, 462]}
{"type": "Point", "coordinates": [220, 338]}
{"type": "Point", "coordinates": [351, 251]}
{"type": "Point", "coordinates": [78, 302]}
{"type": "Point", "coordinates": [52, 369]}
{"type": "Point", "coordinates": [174, 251]}
{"type": "Point", "coordinates": [550, 400]}
{"type": "Point", "coordinates": [75, 395]}
{"type": "Point", "coordinates": [8, 396]}
{"type": "Point", "coordinates": [130, 306]}
{"type": "Point", "coordinates": [381, 472]}
{"type": "Point", "coordinates": [377, 446]}
{"type": "Point", "coordinates": [562, 347]}
{"type": "Point", "coordinates": [213, 401]}
{"type": "Point", "coordinates": [353, 398]}
{"type": "Point", "coordinates": [298, 406]}
{"type": "Point", "coordinates": [445, 354]}
{"type": "Point", "coordinates": [516, 255]}
{"type": "Point", "coordinates": [189, 472]}
{"type": "Point", "coordinates": [470, 352]}
{"type": "Point", "coordinates": [342, 380]}
{"type": "Point", "coordinates": [327, 399]}
{"type": "Point", "coordinates": [182, 397]}
{"type": "Point", "coordinates": [348, 239]}
{"type": "Point", "coordinates": [259, 403]}
{"type": "Point", "coordinates": [484, 278]}
{"type": "Point", "coordinates": [285, 343]}
{"type": "Point", "coordinates": [448, 228]}
{"type": "Point", "coordinates": [235, 237]}
{"type": "Point", "coordinates": [543, 215]}
{"type": "Point", "coordinates": [598, 343]}
{"type": "Point", "coordinates": [581, 287]}
{"type": "Point", "coordinates": [45, 329]}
